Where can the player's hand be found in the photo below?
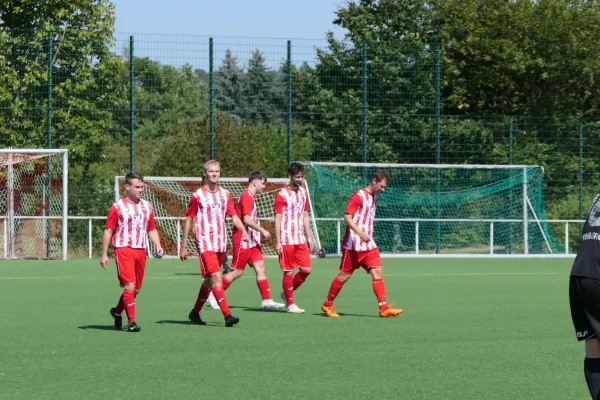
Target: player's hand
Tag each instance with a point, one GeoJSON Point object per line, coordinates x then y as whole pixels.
{"type": "Point", "coordinates": [159, 252]}
{"type": "Point", "coordinates": [183, 254]}
{"type": "Point", "coordinates": [364, 237]}
{"type": "Point", "coordinates": [279, 248]}
{"type": "Point", "coordinates": [104, 261]}
{"type": "Point", "coordinates": [310, 244]}
{"type": "Point", "coordinates": [266, 234]}
{"type": "Point", "coordinates": [245, 236]}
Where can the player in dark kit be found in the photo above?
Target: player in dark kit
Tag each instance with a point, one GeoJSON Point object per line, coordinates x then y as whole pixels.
{"type": "Point", "coordinates": [584, 296]}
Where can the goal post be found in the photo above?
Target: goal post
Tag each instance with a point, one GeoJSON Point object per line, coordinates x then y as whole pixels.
{"type": "Point", "coordinates": [440, 209]}
{"type": "Point", "coordinates": [170, 198]}
{"type": "Point", "coordinates": [34, 203]}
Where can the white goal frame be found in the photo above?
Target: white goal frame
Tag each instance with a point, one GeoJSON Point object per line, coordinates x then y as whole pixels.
{"type": "Point", "coordinates": [11, 217]}
{"type": "Point", "coordinates": [526, 203]}
{"type": "Point", "coordinates": [180, 219]}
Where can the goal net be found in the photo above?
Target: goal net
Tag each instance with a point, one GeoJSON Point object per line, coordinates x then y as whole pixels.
{"type": "Point", "coordinates": [440, 209]}
{"type": "Point", "coordinates": [33, 203]}
{"type": "Point", "coordinates": [170, 197]}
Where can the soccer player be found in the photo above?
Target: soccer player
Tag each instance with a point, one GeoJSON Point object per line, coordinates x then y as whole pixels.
{"type": "Point", "coordinates": [128, 223]}
{"type": "Point", "coordinates": [584, 296]}
{"type": "Point", "coordinates": [208, 208]}
{"type": "Point", "coordinates": [359, 249]}
{"type": "Point", "coordinates": [292, 232]}
{"type": "Point", "coordinates": [249, 252]}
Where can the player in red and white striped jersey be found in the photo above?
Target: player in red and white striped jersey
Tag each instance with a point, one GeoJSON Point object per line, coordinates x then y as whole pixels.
{"type": "Point", "coordinates": [292, 232]}
{"type": "Point", "coordinates": [359, 249]}
{"type": "Point", "coordinates": [208, 208]}
{"type": "Point", "coordinates": [128, 223]}
{"type": "Point", "coordinates": [249, 252]}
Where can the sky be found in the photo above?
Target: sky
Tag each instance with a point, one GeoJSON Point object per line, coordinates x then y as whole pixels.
{"type": "Point", "coordinates": [176, 32]}
{"type": "Point", "coordinates": [307, 19]}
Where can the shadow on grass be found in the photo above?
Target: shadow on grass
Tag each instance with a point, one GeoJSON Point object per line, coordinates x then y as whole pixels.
{"type": "Point", "coordinates": [99, 327]}
{"type": "Point", "coordinates": [184, 322]}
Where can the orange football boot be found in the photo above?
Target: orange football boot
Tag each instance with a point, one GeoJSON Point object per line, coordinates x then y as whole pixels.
{"type": "Point", "coordinates": [390, 312]}
{"type": "Point", "coordinates": [329, 311]}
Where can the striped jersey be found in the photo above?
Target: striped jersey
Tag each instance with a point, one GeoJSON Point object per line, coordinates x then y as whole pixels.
{"type": "Point", "coordinates": [292, 204]}
{"type": "Point", "coordinates": [130, 223]}
{"type": "Point", "coordinates": [208, 210]}
{"type": "Point", "coordinates": [362, 207]}
{"type": "Point", "coordinates": [246, 206]}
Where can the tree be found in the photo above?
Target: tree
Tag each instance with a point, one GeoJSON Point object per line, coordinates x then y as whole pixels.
{"type": "Point", "coordinates": [228, 85]}
{"type": "Point", "coordinates": [257, 88]}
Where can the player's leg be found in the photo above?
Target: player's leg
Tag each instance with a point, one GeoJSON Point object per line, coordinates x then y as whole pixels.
{"type": "Point", "coordinates": [286, 262]}
{"type": "Point", "coordinates": [302, 260]}
{"type": "Point", "coordinates": [126, 269]}
{"type": "Point", "coordinates": [257, 262]}
{"type": "Point", "coordinates": [203, 293]}
{"type": "Point", "coordinates": [348, 264]}
{"type": "Point", "coordinates": [371, 261]}
{"type": "Point", "coordinates": [214, 268]}
{"type": "Point", "coordinates": [584, 298]}
{"type": "Point", "coordinates": [238, 265]}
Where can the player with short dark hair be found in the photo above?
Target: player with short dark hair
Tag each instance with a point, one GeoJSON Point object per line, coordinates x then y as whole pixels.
{"type": "Point", "coordinates": [584, 296]}
{"type": "Point", "coordinates": [359, 249]}
{"type": "Point", "coordinates": [249, 252]}
{"type": "Point", "coordinates": [208, 208]}
{"type": "Point", "coordinates": [128, 223]}
{"type": "Point", "coordinates": [293, 236]}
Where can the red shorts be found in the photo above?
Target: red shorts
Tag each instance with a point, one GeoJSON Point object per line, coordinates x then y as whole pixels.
{"type": "Point", "coordinates": [243, 257]}
{"type": "Point", "coordinates": [210, 262]}
{"type": "Point", "coordinates": [131, 264]}
{"type": "Point", "coordinates": [353, 260]}
{"type": "Point", "coordinates": [294, 255]}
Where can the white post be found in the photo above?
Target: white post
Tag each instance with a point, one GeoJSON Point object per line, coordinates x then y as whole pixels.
{"type": "Point", "coordinates": [65, 205]}
{"type": "Point", "coordinates": [11, 204]}
{"type": "Point", "coordinates": [567, 237]}
{"type": "Point", "coordinates": [117, 191]}
{"type": "Point", "coordinates": [417, 237]}
{"type": "Point", "coordinates": [178, 236]}
{"type": "Point", "coordinates": [339, 244]}
{"type": "Point", "coordinates": [525, 223]}
{"type": "Point", "coordinates": [4, 223]}
{"type": "Point", "coordinates": [491, 237]}
{"type": "Point", "coordinates": [90, 238]}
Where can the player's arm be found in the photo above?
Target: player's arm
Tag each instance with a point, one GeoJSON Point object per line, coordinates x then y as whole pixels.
{"type": "Point", "coordinates": [190, 213]}
{"type": "Point", "coordinates": [248, 221]}
{"type": "Point", "coordinates": [352, 225]}
{"type": "Point", "coordinates": [108, 234]}
{"type": "Point", "coordinates": [153, 233]}
{"type": "Point", "coordinates": [278, 211]}
{"type": "Point", "coordinates": [309, 239]}
{"type": "Point", "coordinates": [353, 205]}
{"type": "Point", "coordinates": [109, 229]}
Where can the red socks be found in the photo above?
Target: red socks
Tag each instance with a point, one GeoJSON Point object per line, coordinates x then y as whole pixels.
{"type": "Point", "coordinates": [120, 306]}
{"type": "Point", "coordinates": [300, 277]}
{"type": "Point", "coordinates": [379, 289]}
{"type": "Point", "coordinates": [334, 290]}
{"type": "Point", "coordinates": [288, 288]}
{"type": "Point", "coordinates": [219, 293]}
{"type": "Point", "coordinates": [226, 283]}
{"type": "Point", "coordinates": [128, 300]}
{"type": "Point", "coordinates": [202, 297]}
{"type": "Point", "coordinates": [263, 286]}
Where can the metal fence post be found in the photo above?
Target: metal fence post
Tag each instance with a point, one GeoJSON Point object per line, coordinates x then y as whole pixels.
{"type": "Point", "coordinates": [49, 88]}
{"type": "Point", "coordinates": [131, 106]}
{"type": "Point", "coordinates": [289, 102]}
{"type": "Point", "coordinates": [211, 98]}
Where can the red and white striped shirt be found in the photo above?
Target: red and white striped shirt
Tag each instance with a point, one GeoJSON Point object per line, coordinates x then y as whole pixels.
{"type": "Point", "coordinates": [362, 207]}
{"type": "Point", "coordinates": [246, 206]}
{"type": "Point", "coordinates": [292, 204]}
{"type": "Point", "coordinates": [209, 209]}
{"type": "Point", "coordinates": [130, 223]}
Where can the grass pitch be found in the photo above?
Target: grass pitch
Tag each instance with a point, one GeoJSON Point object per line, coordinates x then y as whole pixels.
{"type": "Point", "coordinates": [471, 329]}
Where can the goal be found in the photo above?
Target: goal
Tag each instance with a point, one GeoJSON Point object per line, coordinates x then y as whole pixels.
{"type": "Point", "coordinates": [170, 197]}
{"type": "Point", "coordinates": [447, 210]}
{"type": "Point", "coordinates": [33, 203]}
